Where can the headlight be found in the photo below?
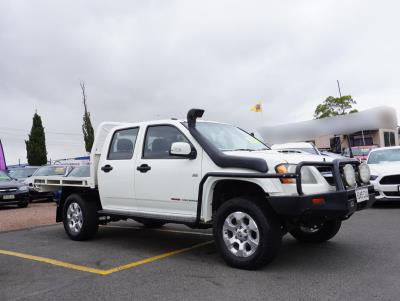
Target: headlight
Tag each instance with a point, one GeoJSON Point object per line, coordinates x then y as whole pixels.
{"type": "Point", "coordinates": [349, 175]}
{"type": "Point", "coordinates": [23, 189]}
{"type": "Point", "coordinates": [373, 178]}
{"type": "Point", "coordinates": [307, 176]}
{"type": "Point", "coordinates": [285, 168]}
{"type": "Point", "coordinates": [364, 172]}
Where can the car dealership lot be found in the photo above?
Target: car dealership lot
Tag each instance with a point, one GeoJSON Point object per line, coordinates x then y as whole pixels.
{"type": "Point", "coordinates": [176, 263]}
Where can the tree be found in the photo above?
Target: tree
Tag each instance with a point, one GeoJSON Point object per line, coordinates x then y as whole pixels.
{"type": "Point", "coordinates": [333, 106]}
{"type": "Point", "coordinates": [36, 144]}
{"type": "Point", "coordinates": [87, 128]}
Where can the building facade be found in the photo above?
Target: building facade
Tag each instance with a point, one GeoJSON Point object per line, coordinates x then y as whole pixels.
{"type": "Point", "coordinates": [377, 126]}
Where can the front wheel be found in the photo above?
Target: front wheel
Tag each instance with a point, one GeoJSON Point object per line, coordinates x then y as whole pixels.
{"type": "Point", "coordinates": [317, 233]}
{"type": "Point", "coordinates": [247, 233]}
{"type": "Point", "coordinates": [80, 218]}
{"type": "Point", "coordinates": [23, 204]}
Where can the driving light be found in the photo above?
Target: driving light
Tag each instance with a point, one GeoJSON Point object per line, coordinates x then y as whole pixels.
{"type": "Point", "coordinates": [349, 175]}
{"type": "Point", "coordinates": [364, 172]}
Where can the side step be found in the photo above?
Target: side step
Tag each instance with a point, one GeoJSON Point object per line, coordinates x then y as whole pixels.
{"type": "Point", "coordinates": [159, 217]}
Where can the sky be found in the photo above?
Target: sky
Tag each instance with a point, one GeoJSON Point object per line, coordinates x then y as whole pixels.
{"type": "Point", "coordinates": [145, 60]}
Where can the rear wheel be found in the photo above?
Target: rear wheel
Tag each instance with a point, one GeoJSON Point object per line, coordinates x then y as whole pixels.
{"type": "Point", "coordinates": [317, 233]}
{"type": "Point", "coordinates": [247, 233]}
{"type": "Point", "coordinates": [80, 218]}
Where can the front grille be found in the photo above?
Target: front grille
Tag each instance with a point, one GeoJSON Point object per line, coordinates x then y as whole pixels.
{"type": "Point", "coordinates": [8, 190]}
{"type": "Point", "coordinates": [327, 173]}
{"type": "Point", "coordinates": [324, 168]}
{"type": "Point", "coordinates": [392, 193]}
{"type": "Point", "coordinates": [389, 180]}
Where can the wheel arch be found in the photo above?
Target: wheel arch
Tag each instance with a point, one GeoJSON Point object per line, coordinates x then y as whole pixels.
{"type": "Point", "coordinates": [88, 194]}
{"type": "Point", "coordinates": [222, 190]}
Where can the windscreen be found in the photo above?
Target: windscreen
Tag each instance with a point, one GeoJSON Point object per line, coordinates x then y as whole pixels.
{"type": "Point", "coordinates": [360, 151]}
{"type": "Point", "coordinates": [81, 171]}
{"type": "Point", "coordinates": [51, 171]}
{"type": "Point", "coordinates": [226, 137]}
{"type": "Point", "coordinates": [382, 156]}
{"type": "Point", "coordinates": [22, 173]}
{"type": "Point", "coordinates": [4, 177]}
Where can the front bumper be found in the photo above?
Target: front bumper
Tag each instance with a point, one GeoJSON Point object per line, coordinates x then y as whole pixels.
{"type": "Point", "coordinates": [36, 195]}
{"type": "Point", "coordinates": [386, 192]}
{"type": "Point", "coordinates": [17, 198]}
{"type": "Point", "coordinates": [335, 205]}
{"type": "Point", "coordinates": [382, 197]}
{"type": "Point", "coordinates": [339, 204]}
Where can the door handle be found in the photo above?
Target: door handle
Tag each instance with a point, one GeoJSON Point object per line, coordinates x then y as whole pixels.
{"type": "Point", "coordinates": [143, 168]}
{"type": "Point", "coordinates": [107, 168]}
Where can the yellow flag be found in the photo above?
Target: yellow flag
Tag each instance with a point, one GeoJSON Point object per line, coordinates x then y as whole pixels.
{"type": "Point", "coordinates": [256, 108]}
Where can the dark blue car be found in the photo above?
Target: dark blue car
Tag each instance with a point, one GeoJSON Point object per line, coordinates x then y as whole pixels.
{"type": "Point", "coordinates": [13, 192]}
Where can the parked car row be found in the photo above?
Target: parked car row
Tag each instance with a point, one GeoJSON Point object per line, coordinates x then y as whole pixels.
{"type": "Point", "coordinates": [16, 186]}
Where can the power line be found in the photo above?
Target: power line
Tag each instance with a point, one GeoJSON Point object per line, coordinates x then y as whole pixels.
{"type": "Point", "coordinates": [47, 132]}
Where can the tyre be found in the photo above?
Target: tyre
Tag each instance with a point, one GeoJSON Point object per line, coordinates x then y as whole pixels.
{"type": "Point", "coordinates": [23, 204]}
{"type": "Point", "coordinates": [80, 217]}
{"type": "Point", "coordinates": [247, 233]}
{"type": "Point", "coordinates": [148, 223]}
{"type": "Point", "coordinates": [317, 234]}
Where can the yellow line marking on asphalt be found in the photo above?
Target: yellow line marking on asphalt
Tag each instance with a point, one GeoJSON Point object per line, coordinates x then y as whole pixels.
{"type": "Point", "coordinates": [53, 262]}
{"type": "Point", "coordinates": [100, 271]}
{"type": "Point", "coordinates": [147, 260]}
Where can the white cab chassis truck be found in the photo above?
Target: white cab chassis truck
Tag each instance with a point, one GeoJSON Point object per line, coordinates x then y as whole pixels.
{"type": "Point", "coordinates": [210, 175]}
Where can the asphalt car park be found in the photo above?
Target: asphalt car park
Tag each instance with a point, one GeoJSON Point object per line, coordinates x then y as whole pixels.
{"type": "Point", "coordinates": [126, 261]}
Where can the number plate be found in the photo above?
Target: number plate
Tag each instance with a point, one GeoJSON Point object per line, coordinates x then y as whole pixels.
{"type": "Point", "coordinates": [8, 197]}
{"type": "Point", "coordinates": [362, 195]}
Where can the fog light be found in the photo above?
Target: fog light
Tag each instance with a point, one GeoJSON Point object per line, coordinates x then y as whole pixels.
{"type": "Point", "coordinates": [364, 172]}
{"type": "Point", "coordinates": [349, 175]}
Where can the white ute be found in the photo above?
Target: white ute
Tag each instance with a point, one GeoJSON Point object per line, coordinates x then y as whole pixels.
{"type": "Point", "coordinates": [208, 174]}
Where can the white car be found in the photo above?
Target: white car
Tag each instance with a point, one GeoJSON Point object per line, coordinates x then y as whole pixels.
{"type": "Point", "coordinates": [45, 171]}
{"type": "Point", "coordinates": [384, 164]}
{"type": "Point", "coordinates": [308, 149]}
{"type": "Point", "coordinates": [305, 147]}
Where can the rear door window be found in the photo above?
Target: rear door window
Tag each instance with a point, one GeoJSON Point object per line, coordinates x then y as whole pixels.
{"type": "Point", "coordinates": [123, 144]}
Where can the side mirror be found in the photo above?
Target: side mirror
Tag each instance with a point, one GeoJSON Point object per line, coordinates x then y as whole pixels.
{"type": "Point", "coordinates": [182, 149]}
